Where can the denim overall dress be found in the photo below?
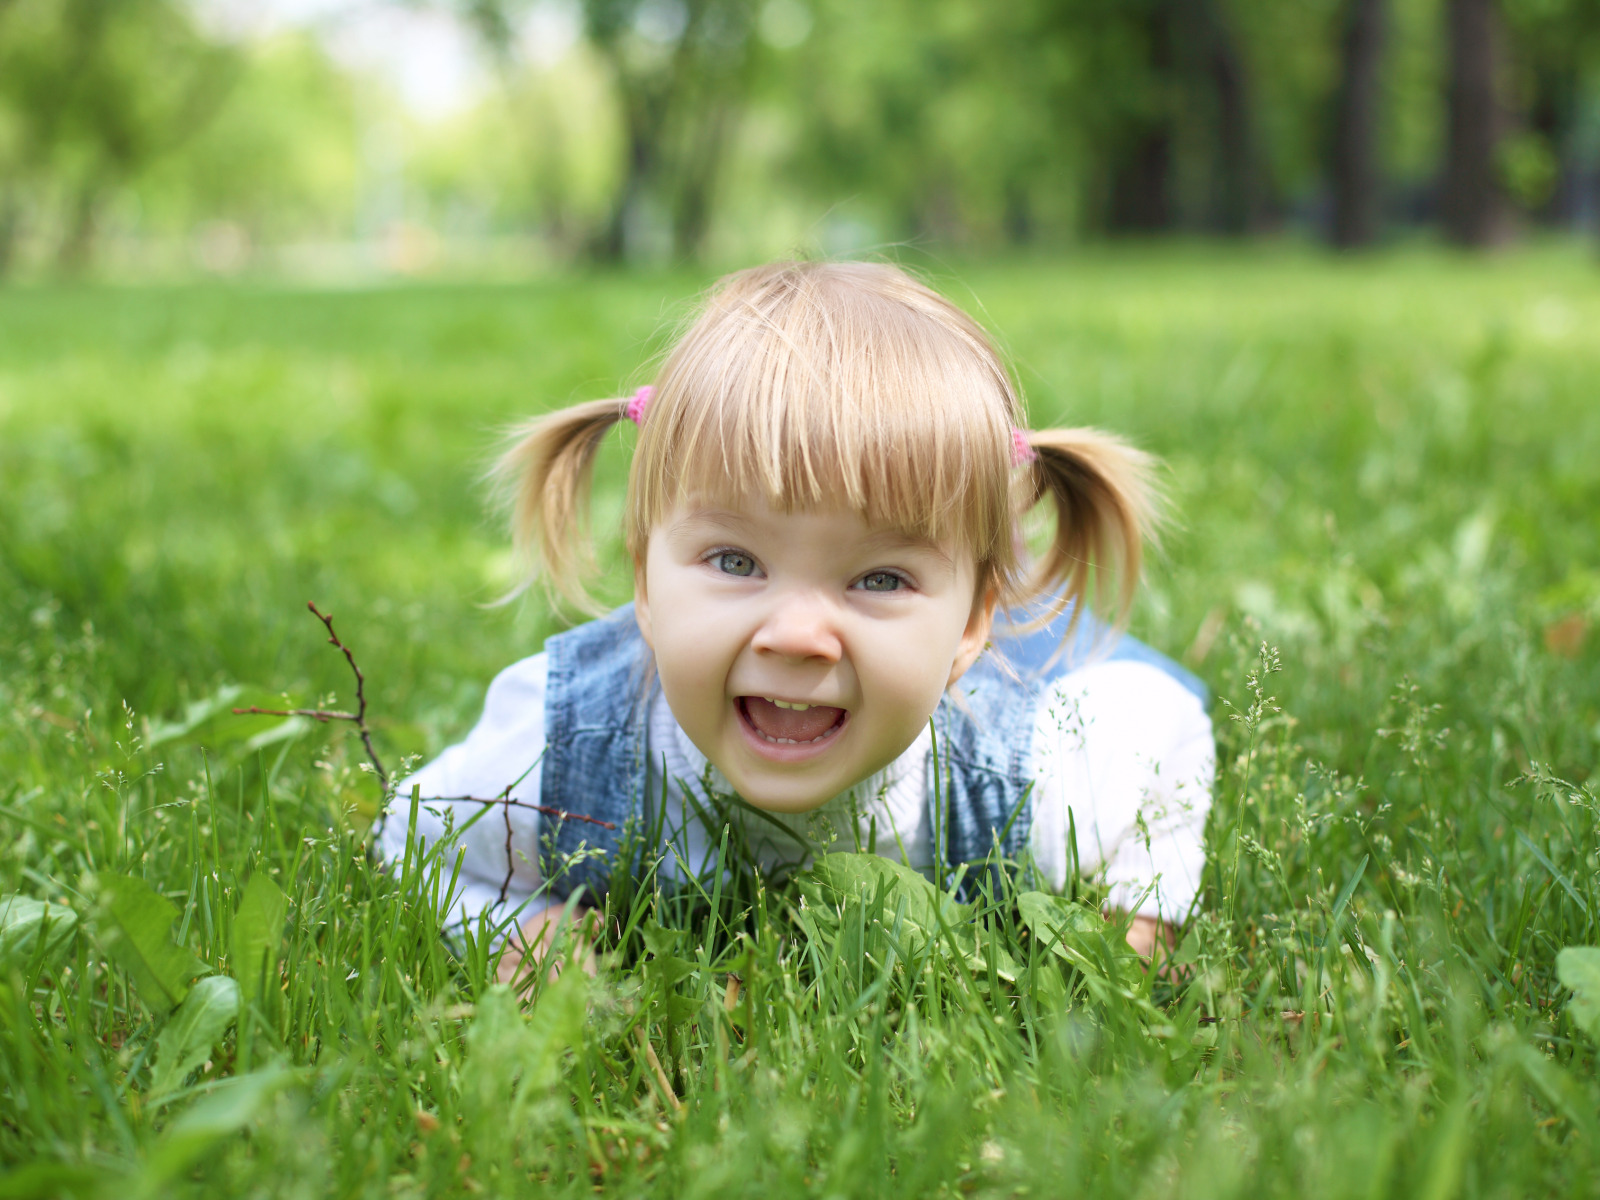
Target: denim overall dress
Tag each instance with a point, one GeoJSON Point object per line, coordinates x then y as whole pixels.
{"type": "Point", "coordinates": [597, 700]}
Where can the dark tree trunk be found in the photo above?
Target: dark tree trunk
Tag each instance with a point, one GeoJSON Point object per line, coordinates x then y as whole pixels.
{"type": "Point", "coordinates": [1238, 194]}
{"type": "Point", "coordinates": [1019, 224]}
{"type": "Point", "coordinates": [10, 229]}
{"type": "Point", "coordinates": [611, 243]}
{"type": "Point", "coordinates": [1141, 185]}
{"type": "Point", "coordinates": [1554, 116]}
{"type": "Point", "coordinates": [1357, 190]}
{"type": "Point", "coordinates": [77, 244]}
{"type": "Point", "coordinates": [644, 109]}
{"type": "Point", "coordinates": [1473, 204]}
{"type": "Point", "coordinates": [691, 218]}
{"type": "Point", "coordinates": [678, 116]}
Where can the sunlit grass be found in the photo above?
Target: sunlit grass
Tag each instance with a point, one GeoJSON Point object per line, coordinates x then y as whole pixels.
{"type": "Point", "coordinates": [1385, 565]}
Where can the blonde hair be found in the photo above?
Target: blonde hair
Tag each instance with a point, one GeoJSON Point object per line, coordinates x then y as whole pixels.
{"type": "Point", "coordinates": [851, 384]}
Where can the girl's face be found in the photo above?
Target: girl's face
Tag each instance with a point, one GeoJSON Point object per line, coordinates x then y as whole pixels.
{"type": "Point", "coordinates": [802, 652]}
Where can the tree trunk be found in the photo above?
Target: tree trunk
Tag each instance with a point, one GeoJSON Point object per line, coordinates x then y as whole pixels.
{"type": "Point", "coordinates": [1357, 191]}
{"type": "Point", "coordinates": [1555, 115]}
{"type": "Point", "coordinates": [691, 218]}
{"type": "Point", "coordinates": [10, 229]}
{"type": "Point", "coordinates": [1238, 207]}
{"type": "Point", "coordinates": [644, 110]}
{"type": "Point", "coordinates": [1141, 184]}
{"type": "Point", "coordinates": [77, 245]}
{"type": "Point", "coordinates": [611, 244]}
{"type": "Point", "coordinates": [1473, 204]}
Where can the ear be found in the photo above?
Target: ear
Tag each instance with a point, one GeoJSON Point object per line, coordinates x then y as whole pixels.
{"type": "Point", "coordinates": [641, 606]}
{"type": "Point", "coordinates": [976, 635]}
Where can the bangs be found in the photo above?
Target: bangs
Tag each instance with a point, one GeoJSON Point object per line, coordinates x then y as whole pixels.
{"type": "Point", "coordinates": [850, 386]}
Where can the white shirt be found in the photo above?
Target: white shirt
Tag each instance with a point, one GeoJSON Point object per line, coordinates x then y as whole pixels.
{"type": "Point", "coordinates": [1120, 745]}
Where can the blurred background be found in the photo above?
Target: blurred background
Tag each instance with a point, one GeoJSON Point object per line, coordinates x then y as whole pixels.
{"type": "Point", "coordinates": [352, 139]}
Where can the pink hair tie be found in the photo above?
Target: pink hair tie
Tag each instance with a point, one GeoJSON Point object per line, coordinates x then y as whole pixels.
{"type": "Point", "coordinates": [641, 400]}
{"type": "Point", "coordinates": [1021, 452]}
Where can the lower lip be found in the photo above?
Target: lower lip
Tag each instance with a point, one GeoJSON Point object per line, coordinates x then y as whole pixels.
{"type": "Point", "coordinates": [783, 752]}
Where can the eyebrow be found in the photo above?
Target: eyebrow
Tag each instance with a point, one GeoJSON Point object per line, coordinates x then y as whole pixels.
{"type": "Point", "coordinates": [879, 540]}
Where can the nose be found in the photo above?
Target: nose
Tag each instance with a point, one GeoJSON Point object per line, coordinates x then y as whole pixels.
{"type": "Point", "coordinates": [800, 626]}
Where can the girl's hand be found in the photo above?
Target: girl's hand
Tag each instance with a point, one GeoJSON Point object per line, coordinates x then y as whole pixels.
{"type": "Point", "coordinates": [532, 944]}
{"type": "Point", "coordinates": [1145, 933]}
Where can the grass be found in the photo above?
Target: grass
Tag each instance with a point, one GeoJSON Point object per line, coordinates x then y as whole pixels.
{"type": "Point", "coordinates": [1387, 567]}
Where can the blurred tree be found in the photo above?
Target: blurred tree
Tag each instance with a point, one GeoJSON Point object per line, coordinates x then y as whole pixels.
{"type": "Point", "coordinates": [1238, 193]}
{"type": "Point", "coordinates": [92, 92]}
{"type": "Point", "coordinates": [1549, 163]}
{"type": "Point", "coordinates": [682, 70]}
{"type": "Point", "coordinates": [918, 113]}
{"type": "Point", "coordinates": [1164, 96]}
{"type": "Point", "coordinates": [280, 159]}
{"type": "Point", "coordinates": [541, 155]}
{"type": "Point", "coordinates": [1140, 141]}
{"type": "Point", "coordinates": [1474, 205]}
{"type": "Point", "coordinates": [1353, 165]}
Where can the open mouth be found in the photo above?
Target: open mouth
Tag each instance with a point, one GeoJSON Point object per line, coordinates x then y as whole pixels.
{"type": "Point", "coordinates": [788, 723]}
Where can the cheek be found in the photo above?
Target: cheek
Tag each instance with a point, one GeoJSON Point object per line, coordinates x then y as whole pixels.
{"type": "Point", "coordinates": [692, 661]}
{"type": "Point", "coordinates": [690, 672]}
{"type": "Point", "coordinates": [908, 674]}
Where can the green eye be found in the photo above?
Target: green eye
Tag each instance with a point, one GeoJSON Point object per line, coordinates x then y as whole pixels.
{"type": "Point", "coordinates": [881, 581]}
{"type": "Point", "coordinates": [734, 562]}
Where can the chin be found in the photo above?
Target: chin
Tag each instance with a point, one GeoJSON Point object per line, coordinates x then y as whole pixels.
{"type": "Point", "coordinates": [782, 801]}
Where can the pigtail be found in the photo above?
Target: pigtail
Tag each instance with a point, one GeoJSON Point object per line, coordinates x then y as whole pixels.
{"type": "Point", "coordinates": [546, 476]}
{"type": "Point", "coordinates": [1106, 508]}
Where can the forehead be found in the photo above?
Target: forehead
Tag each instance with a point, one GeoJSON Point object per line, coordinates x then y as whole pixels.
{"type": "Point", "coordinates": [847, 530]}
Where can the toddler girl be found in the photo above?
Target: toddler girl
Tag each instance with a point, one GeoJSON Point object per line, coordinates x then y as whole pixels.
{"type": "Point", "coordinates": [832, 597]}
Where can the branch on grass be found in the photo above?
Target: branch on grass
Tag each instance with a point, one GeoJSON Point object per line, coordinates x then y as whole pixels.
{"type": "Point", "coordinates": [559, 814]}
{"type": "Point", "coordinates": [506, 804]}
{"type": "Point", "coordinates": [359, 720]}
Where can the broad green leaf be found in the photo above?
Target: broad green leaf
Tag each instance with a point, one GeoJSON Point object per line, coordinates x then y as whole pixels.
{"type": "Point", "coordinates": [556, 1024]}
{"type": "Point", "coordinates": [31, 928]}
{"type": "Point", "coordinates": [283, 731]}
{"type": "Point", "coordinates": [257, 934]}
{"type": "Point", "coordinates": [1049, 991]}
{"type": "Point", "coordinates": [204, 1016]}
{"type": "Point", "coordinates": [1578, 968]}
{"type": "Point", "coordinates": [514, 1058]}
{"type": "Point", "coordinates": [198, 714]}
{"type": "Point", "coordinates": [1004, 965]}
{"type": "Point", "coordinates": [1080, 935]}
{"type": "Point", "coordinates": [212, 720]}
{"type": "Point", "coordinates": [51, 1179]}
{"type": "Point", "coordinates": [139, 940]}
{"type": "Point", "coordinates": [665, 965]}
{"type": "Point", "coordinates": [838, 878]}
{"type": "Point", "coordinates": [225, 1109]}
{"type": "Point", "coordinates": [233, 1103]}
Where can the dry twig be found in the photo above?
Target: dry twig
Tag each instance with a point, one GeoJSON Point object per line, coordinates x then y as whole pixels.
{"type": "Point", "coordinates": [359, 717]}
{"type": "Point", "coordinates": [359, 720]}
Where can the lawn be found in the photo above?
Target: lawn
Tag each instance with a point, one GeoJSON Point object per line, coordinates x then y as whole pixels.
{"type": "Point", "coordinates": [1386, 563]}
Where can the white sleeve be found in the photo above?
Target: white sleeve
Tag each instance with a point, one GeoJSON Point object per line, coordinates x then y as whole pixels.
{"type": "Point", "coordinates": [505, 748]}
{"type": "Point", "coordinates": [1129, 751]}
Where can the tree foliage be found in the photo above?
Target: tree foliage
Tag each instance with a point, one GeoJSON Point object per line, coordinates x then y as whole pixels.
{"type": "Point", "coordinates": [676, 129]}
{"type": "Point", "coordinates": [91, 93]}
